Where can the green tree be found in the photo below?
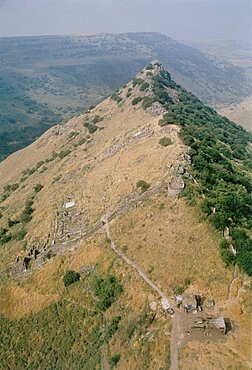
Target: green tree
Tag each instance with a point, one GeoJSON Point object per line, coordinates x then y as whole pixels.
{"type": "Point", "coordinates": [71, 277]}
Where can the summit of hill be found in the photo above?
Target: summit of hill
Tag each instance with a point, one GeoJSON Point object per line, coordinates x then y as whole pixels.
{"type": "Point", "coordinates": [106, 219]}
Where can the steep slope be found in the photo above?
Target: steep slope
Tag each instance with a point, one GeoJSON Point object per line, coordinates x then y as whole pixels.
{"type": "Point", "coordinates": [122, 166]}
{"type": "Point", "coordinates": [240, 113]}
{"type": "Point", "coordinates": [46, 80]}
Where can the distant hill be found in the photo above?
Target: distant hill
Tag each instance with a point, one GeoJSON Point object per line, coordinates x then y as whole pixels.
{"type": "Point", "coordinates": [46, 80]}
{"type": "Point", "coordinates": [240, 113]}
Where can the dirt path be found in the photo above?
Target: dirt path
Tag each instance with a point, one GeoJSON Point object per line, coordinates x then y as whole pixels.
{"type": "Point", "coordinates": [17, 270]}
{"type": "Point", "coordinates": [163, 297]}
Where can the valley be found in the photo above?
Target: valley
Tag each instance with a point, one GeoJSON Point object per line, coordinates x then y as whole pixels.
{"type": "Point", "coordinates": [46, 80]}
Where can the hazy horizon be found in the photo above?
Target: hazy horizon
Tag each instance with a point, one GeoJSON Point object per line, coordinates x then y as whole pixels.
{"type": "Point", "coordinates": [180, 19]}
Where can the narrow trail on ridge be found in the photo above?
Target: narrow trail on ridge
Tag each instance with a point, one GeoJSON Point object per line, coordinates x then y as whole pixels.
{"type": "Point", "coordinates": [164, 299]}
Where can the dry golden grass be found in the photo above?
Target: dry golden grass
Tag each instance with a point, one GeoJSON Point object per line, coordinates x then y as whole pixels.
{"type": "Point", "coordinates": [97, 183]}
{"type": "Point", "coordinates": [168, 239]}
{"type": "Point", "coordinates": [173, 244]}
{"type": "Point", "coordinates": [17, 301]}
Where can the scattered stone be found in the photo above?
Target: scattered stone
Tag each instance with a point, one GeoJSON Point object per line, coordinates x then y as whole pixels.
{"type": "Point", "coordinates": [155, 109]}
{"type": "Point", "coordinates": [186, 157]}
{"type": "Point", "coordinates": [175, 186]}
{"type": "Point", "coordinates": [226, 233]}
{"type": "Point", "coordinates": [86, 270]}
{"type": "Point", "coordinates": [210, 303]}
{"type": "Point", "coordinates": [149, 215]}
{"type": "Point", "coordinates": [188, 176]}
{"type": "Point", "coordinates": [153, 306]}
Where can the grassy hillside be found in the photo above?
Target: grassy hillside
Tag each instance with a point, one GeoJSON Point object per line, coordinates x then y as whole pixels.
{"type": "Point", "coordinates": [46, 80]}
{"type": "Point", "coordinates": [168, 175]}
{"type": "Point", "coordinates": [241, 113]}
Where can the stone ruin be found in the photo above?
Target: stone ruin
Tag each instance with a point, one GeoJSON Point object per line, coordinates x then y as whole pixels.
{"type": "Point", "coordinates": [175, 186]}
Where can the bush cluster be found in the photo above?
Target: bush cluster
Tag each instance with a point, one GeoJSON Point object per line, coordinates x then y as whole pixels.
{"type": "Point", "coordinates": [220, 159]}
{"type": "Point", "coordinates": [38, 188]}
{"type": "Point", "coordinates": [143, 185]}
{"type": "Point", "coordinates": [165, 141]}
{"type": "Point", "coordinates": [137, 100]}
{"type": "Point", "coordinates": [106, 290]}
{"type": "Point", "coordinates": [91, 127]}
{"type": "Point", "coordinates": [116, 97]}
{"type": "Point", "coordinates": [70, 277]}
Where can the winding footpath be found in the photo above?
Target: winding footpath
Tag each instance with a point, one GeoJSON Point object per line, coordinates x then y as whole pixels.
{"type": "Point", "coordinates": [164, 299]}
{"type": "Point", "coordinates": [17, 270]}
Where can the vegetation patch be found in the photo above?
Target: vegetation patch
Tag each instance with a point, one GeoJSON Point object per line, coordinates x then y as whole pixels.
{"type": "Point", "coordinates": [137, 100]}
{"type": "Point", "coordinates": [113, 360]}
{"type": "Point", "coordinates": [112, 328]}
{"type": "Point", "coordinates": [144, 86]}
{"type": "Point", "coordinates": [137, 81]}
{"type": "Point", "coordinates": [96, 119]}
{"type": "Point", "coordinates": [7, 190]}
{"type": "Point", "coordinates": [220, 157]}
{"type": "Point", "coordinates": [38, 188]}
{"type": "Point", "coordinates": [71, 277]}
{"type": "Point", "coordinates": [91, 127]}
{"type": "Point", "coordinates": [116, 97]}
{"type": "Point", "coordinates": [147, 102]}
{"type": "Point", "coordinates": [20, 234]}
{"type": "Point", "coordinates": [64, 153]}
{"type": "Point", "coordinates": [143, 185]}
{"type": "Point", "coordinates": [165, 141]}
{"type": "Point", "coordinates": [63, 336]}
{"type": "Point", "coordinates": [4, 236]}
{"type": "Point", "coordinates": [26, 215]}
{"type": "Point", "coordinates": [106, 290]}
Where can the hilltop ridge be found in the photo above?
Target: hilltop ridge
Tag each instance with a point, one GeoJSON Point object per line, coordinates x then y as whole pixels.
{"type": "Point", "coordinates": [164, 172]}
{"type": "Point", "coordinates": [47, 80]}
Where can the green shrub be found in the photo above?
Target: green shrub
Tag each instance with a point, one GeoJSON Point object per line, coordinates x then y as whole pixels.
{"type": "Point", "coordinates": [106, 290]}
{"type": "Point", "coordinates": [136, 100]}
{"type": "Point", "coordinates": [113, 360]}
{"type": "Point", "coordinates": [96, 119]}
{"type": "Point", "coordinates": [227, 257]}
{"type": "Point", "coordinates": [244, 261]}
{"type": "Point", "coordinates": [19, 235]}
{"type": "Point", "coordinates": [149, 67]}
{"type": "Point", "coordinates": [112, 328]}
{"type": "Point", "coordinates": [12, 222]}
{"type": "Point", "coordinates": [4, 237]}
{"type": "Point", "coordinates": [38, 188]}
{"type": "Point", "coordinates": [43, 169]}
{"type": "Point", "coordinates": [165, 141]}
{"type": "Point", "coordinates": [144, 86]}
{"type": "Point", "coordinates": [71, 277]}
{"type": "Point", "coordinates": [147, 102]}
{"type": "Point", "coordinates": [143, 185]}
{"type": "Point", "coordinates": [73, 134]}
{"type": "Point", "coordinates": [9, 188]}
{"type": "Point", "coordinates": [27, 212]}
{"type": "Point", "coordinates": [91, 128]}
{"type": "Point", "coordinates": [166, 120]}
{"type": "Point", "coordinates": [137, 81]}
{"type": "Point", "coordinates": [63, 153]}
{"type": "Point", "coordinates": [219, 220]}
{"type": "Point", "coordinates": [116, 97]}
